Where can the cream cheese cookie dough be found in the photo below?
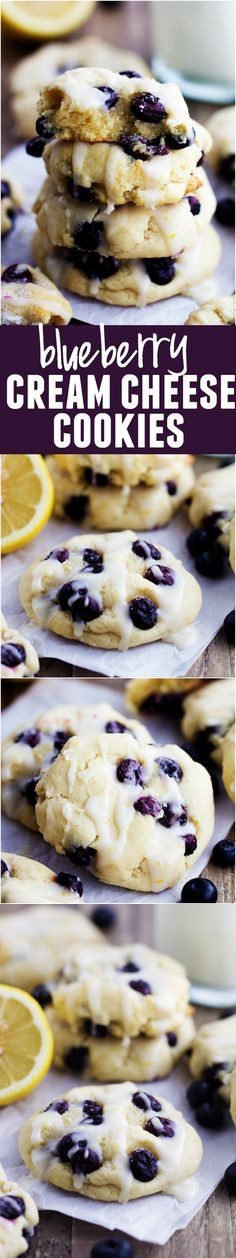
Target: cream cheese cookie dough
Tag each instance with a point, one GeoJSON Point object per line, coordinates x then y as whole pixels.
{"type": "Point", "coordinates": [109, 808]}
{"type": "Point", "coordinates": [34, 944]}
{"type": "Point", "coordinates": [24, 881]}
{"type": "Point", "coordinates": [18, 657]}
{"type": "Point", "coordinates": [213, 503]}
{"type": "Point", "coordinates": [220, 311]}
{"type": "Point", "coordinates": [105, 105]}
{"type": "Point", "coordinates": [125, 231]}
{"type": "Point", "coordinates": [28, 751]}
{"type": "Point", "coordinates": [233, 1095]}
{"type": "Point", "coordinates": [18, 1218]}
{"type": "Point", "coordinates": [228, 771]}
{"type": "Point", "coordinates": [131, 283]}
{"type": "Point", "coordinates": [29, 297]}
{"type": "Point", "coordinates": [31, 73]}
{"type": "Point", "coordinates": [221, 126]}
{"type": "Point", "coordinates": [111, 590]}
{"type": "Point", "coordinates": [133, 171]}
{"type": "Point", "coordinates": [149, 693]}
{"type": "Point", "coordinates": [88, 493]}
{"type": "Point", "coordinates": [207, 716]}
{"type": "Point", "coordinates": [125, 1158]}
{"type": "Point", "coordinates": [12, 201]}
{"type": "Point", "coordinates": [213, 1054]}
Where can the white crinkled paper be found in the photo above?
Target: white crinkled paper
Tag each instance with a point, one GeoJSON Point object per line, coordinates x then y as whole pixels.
{"type": "Point", "coordinates": [17, 839]}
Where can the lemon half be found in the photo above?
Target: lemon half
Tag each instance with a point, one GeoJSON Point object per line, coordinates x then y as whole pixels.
{"type": "Point", "coordinates": [45, 19]}
{"type": "Point", "coordinates": [27, 499]}
{"type": "Point", "coordinates": [26, 1044]}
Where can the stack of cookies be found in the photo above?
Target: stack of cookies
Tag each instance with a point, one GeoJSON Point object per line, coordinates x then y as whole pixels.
{"type": "Point", "coordinates": [124, 215]}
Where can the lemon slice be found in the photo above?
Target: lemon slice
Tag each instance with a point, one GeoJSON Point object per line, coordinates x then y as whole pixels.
{"type": "Point", "coordinates": [26, 1044]}
{"type": "Point", "coordinates": [45, 19]}
{"type": "Point", "coordinates": [27, 499]}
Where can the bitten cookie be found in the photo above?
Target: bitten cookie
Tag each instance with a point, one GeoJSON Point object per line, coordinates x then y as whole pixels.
{"type": "Point", "coordinates": [208, 714]}
{"type": "Point", "coordinates": [133, 283]}
{"type": "Point", "coordinates": [109, 808]}
{"type": "Point", "coordinates": [132, 171]}
{"type": "Point", "coordinates": [34, 944]}
{"type": "Point", "coordinates": [18, 657]}
{"type": "Point", "coordinates": [222, 153]}
{"type": "Point", "coordinates": [111, 1144]}
{"type": "Point", "coordinates": [24, 881]}
{"type": "Point", "coordinates": [11, 201]}
{"type": "Point", "coordinates": [229, 762]}
{"type": "Point", "coordinates": [219, 311]}
{"type": "Point", "coordinates": [27, 752]}
{"type": "Point", "coordinates": [105, 105]}
{"type": "Point", "coordinates": [18, 1218]}
{"type": "Point", "coordinates": [29, 297]}
{"type": "Point", "coordinates": [213, 1054]}
{"type": "Point", "coordinates": [31, 73]}
{"type": "Point", "coordinates": [86, 493]}
{"type": "Point", "coordinates": [111, 590]}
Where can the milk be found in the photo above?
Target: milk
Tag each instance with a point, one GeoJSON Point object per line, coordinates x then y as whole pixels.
{"type": "Point", "coordinates": [193, 42]}
{"type": "Point", "coordinates": [203, 937]}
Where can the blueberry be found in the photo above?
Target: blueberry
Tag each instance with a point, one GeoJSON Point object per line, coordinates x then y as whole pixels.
{"type": "Point", "coordinates": [95, 265]}
{"type": "Point", "coordinates": [130, 771]}
{"type": "Point", "coordinates": [230, 1178]}
{"type": "Point", "coordinates": [143, 613]}
{"type": "Point", "coordinates": [199, 891]}
{"type": "Point", "coordinates": [99, 479]}
{"type": "Point", "coordinates": [81, 855]}
{"type": "Point", "coordinates": [199, 1092]}
{"type": "Point", "coordinates": [61, 555]}
{"type": "Point", "coordinates": [211, 563]}
{"type": "Point", "coordinates": [93, 1112]}
{"type": "Point", "coordinates": [96, 1029]}
{"type": "Point", "coordinates": [44, 127]}
{"type": "Point", "coordinates": [77, 1058]}
{"type": "Point", "coordinates": [138, 985]}
{"type": "Point", "coordinates": [210, 1114]}
{"type": "Point", "coordinates": [148, 107]}
{"type": "Point", "coordinates": [111, 97]}
{"type": "Point", "coordinates": [130, 74]}
{"type": "Point", "coordinates": [227, 1013]}
{"type": "Point", "coordinates": [160, 270]}
{"type": "Point", "coordinates": [173, 814]}
{"type": "Point", "coordinates": [148, 806]}
{"type": "Point", "coordinates": [166, 577]}
{"type": "Point", "coordinates": [17, 273]}
{"type": "Point", "coordinates": [130, 967]}
{"type": "Point", "coordinates": [70, 882]}
{"type": "Point", "coordinates": [229, 628]}
{"type": "Point", "coordinates": [178, 139]}
{"type": "Point", "coordinates": [29, 791]}
{"type": "Point", "coordinates": [194, 204]}
{"type": "Point", "coordinates": [112, 1249]}
{"type": "Point", "coordinates": [5, 189]}
{"type": "Point", "coordinates": [76, 507]}
{"type": "Point", "coordinates": [115, 727]}
{"type": "Point", "coordinates": [89, 235]}
{"type": "Point", "coordinates": [28, 1232]}
{"type": "Point", "coordinates": [166, 1129]}
{"type": "Point", "coordinates": [145, 549]}
{"type": "Point", "coordinates": [104, 917]}
{"type": "Point", "coordinates": [60, 1107]}
{"type": "Point", "coordinates": [223, 853]}
{"type": "Point", "coordinates": [35, 147]}
{"type": "Point", "coordinates": [85, 1161]}
{"type": "Point", "coordinates": [171, 487]}
{"type": "Point", "coordinates": [76, 600]}
{"type": "Point", "coordinates": [12, 655]}
{"type": "Point", "coordinates": [143, 1165]}
{"type": "Point", "coordinates": [141, 149]}
{"type": "Point", "coordinates": [42, 994]}
{"type": "Point", "coordinates": [170, 768]}
{"type": "Point", "coordinates": [60, 738]}
{"type": "Point", "coordinates": [65, 1146]}
{"type": "Point", "coordinates": [190, 842]}
{"type": "Point", "coordinates": [227, 167]}
{"type": "Point", "coordinates": [93, 560]}
{"type": "Point", "coordinates": [32, 737]}
{"type": "Point", "coordinates": [4, 868]}
{"type": "Point", "coordinates": [197, 542]}
{"type": "Point", "coordinates": [11, 1207]}
{"type": "Point", "coordinates": [78, 193]}
{"type": "Point", "coordinates": [225, 212]}
{"type": "Point", "coordinates": [171, 1039]}
{"type": "Point", "coordinates": [144, 1100]}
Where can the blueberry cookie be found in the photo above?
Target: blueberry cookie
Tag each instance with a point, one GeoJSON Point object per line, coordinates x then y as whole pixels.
{"type": "Point", "coordinates": [148, 694]}
{"type": "Point", "coordinates": [221, 311]}
{"type": "Point", "coordinates": [104, 105]}
{"type": "Point", "coordinates": [86, 494]}
{"type": "Point", "coordinates": [207, 715]}
{"type": "Point", "coordinates": [228, 771]}
{"type": "Point", "coordinates": [18, 657]}
{"type": "Point", "coordinates": [111, 590]}
{"type": "Point", "coordinates": [233, 1095]}
{"type": "Point", "coordinates": [108, 805]}
{"type": "Point", "coordinates": [134, 283]}
{"type": "Point", "coordinates": [84, 1053]}
{"type": "Point", "coordinates": [232, 543]}
{"type": "Point", "coordinates": [31, 73]}
{"type": "Point", "coordinates": [34, 944]}
{"type": "Point", "coordinates": [11, 201]}
{"type": "Point", "coordinates": [132, 171]}
{"type": "Point", "coordinates": [27, 752]}
{"type": "Point", "coordinates": [126, 231]}
{"type": "Point", "coordinates": [28, 882]}
{"type": "Point", "coordinates": [211, 509]}
{"type": "Point", "coordinates": [18, 1218]}
{"type": "Point", "coordinates": [28, 297]}
{"type": "Point", "coordinates": [222, 153]}
{"type": "Point", "coordinates": [127, 1157]}
{"type": "Point", "coordinates": [119, 470]}
{"type": "Point", "coordinates": [213, 1054]}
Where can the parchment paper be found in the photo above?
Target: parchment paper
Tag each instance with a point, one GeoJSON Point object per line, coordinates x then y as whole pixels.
{"type": "Point", "coordinates": [17, 839]}
{"type": "Point", "coordinates": [17, 247]}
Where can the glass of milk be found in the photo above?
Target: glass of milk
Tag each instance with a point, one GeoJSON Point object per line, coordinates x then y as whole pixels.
{"type": "Point", "coordinates": [193, 44]}
{"type": "Point", "coordinates": [203, 937]}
